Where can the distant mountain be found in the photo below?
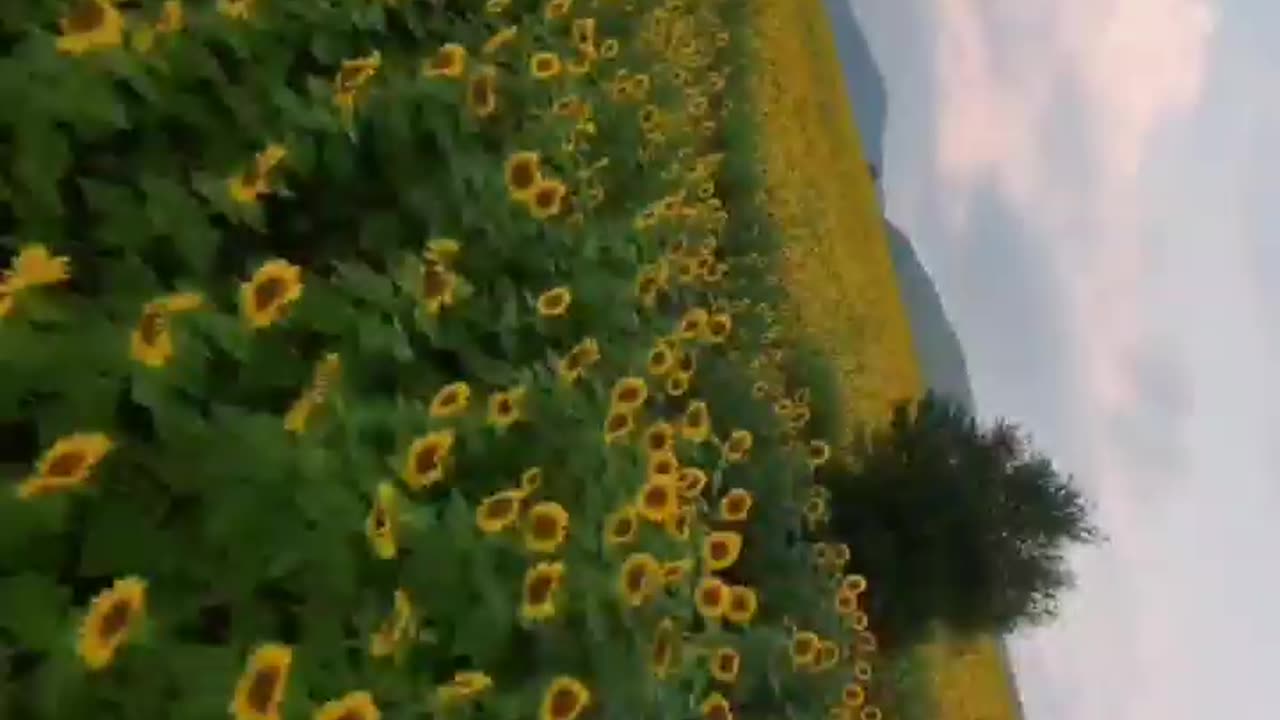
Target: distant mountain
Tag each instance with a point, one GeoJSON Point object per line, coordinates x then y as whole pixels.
{"type": "Point", "coordinates": [862, 77]}
{"type": "Point", "coordinates": [937, 345]}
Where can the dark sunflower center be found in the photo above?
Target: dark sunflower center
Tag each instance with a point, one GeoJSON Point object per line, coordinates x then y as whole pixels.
{"type": "Point", "coordinates": [66, 464]}
{"type": "Point", "coordinates": [268, 292]}
{"type": "Point", "coordinates": [522, 175]}
{"type": "Point", "coordinates": [618, 422]}
{"type": "Point", "coordinates": [351, 77]}
{"type": "Point", "coordinates": [434, 281]}
{"type": "Point", "coordinates": [506, 406]}
{"type": "Point", "coordinates": [499, 508]}
{"type": "Point", "coordinates": [717, 712]}
{"type": "Point", "coordinates": [115, 619]}
{"type": "Point", "coordinates": [540, 589]}
{"type": "Point", "coordinates": [637, 578]}
{"type": "Point", "coordinates": [444, 60]}
{"type": "Point", "coordinates": [546, 198]}
{"type": "Point", "coordinates": [85, 16]}
{"type": "Point", "coordinates": [545, 526]}
{"type": "Point", "coordinates": [427, 460]}
{"type": "Point", "coordinates": [727, 663]}
{"type": "Point", "coordinates": [449, 398]}
{"type": "Point", "coordinates": [657, 442]}
{"type": "Point", "coordinates": [655, 497]}
{"type": "Point", "coordinates": [719, 550]}
{"type": "Point", "coordinates": [622, 527]}
{"type": "Point", "coordinates": [629, 394]}
{"type": "Point", "coordinates": [735, 506]}
{"type": "Point", "coordinates": [554, 302]}
{"type": "Point", "coordinates": [482, 91]}
{"type": "Point", "coordinates": [544, 65]}
{"type": "Point", "coordinates": [738, 604]}
{"type": "Point", "coordinates": [719, 327]}
{"type": "Point", "coordinates": [151, 326]}
{"type": "Point", "coordinates": [662, 466]}
{"type": "Point", "coordinates": [262, 689]}
{"type": "Point", "coordinates": [802, 647]}
{"type": "Point", "coordinates": [686, 361]}
{"type": "Point", "coordinates": [711, 596]}
{"type": "Point", "coordinates": [564, 702]}
{"type": "Point", "coordinates": [380, 523]}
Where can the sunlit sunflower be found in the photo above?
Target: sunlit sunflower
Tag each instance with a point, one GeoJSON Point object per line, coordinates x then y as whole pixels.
{"type": "Point", "coordinates": [236, 9]}
{"type": "Point", "coordinates": [464, 686]}
{"type": "Point", "coordinates": [743, 603]}
{"type": "Point", "coordinates": [629, 393]}
{"type": "Point", "coordinates": [679, 523]}
{"type": "Point", "coordinates": [522, 173]}
{"type": "Point", "coordinates": [735, 505]}
{"type": "Point", "coordinates": [815, 510]}
{"type": "Point", "coordinates": [846, 602]}
{"type": "Point", "coordinates": [541, 584]}
{"type": "Point", "coordinates": [686, 362]}
{"type": "Point", "coordinates": [113, 615]}
{"type": "Point", "coordinates": [578, 360]}
{"type": "Point", "coordinates": [90, 25]}
{"type": "Point", "coordinates": [584, 35]}
{"type": "Point", "coordinates": [693, 324]}
{"type": "Point", "coordinates": [738, 446]}
{"type": "Point", "coordinates": [663, 466]}
{"type": "Point", "coordinates": [855, 584]}
{"type": "Point", "coordinates": [350, 80]}
{"type": "Point", "coordinates": [840, 555]}
{"type": "Point", "coordinates": [261, 686]}
{"type": "Point", "coordinates": [246, 186]}
{"type": "Point", "coordinates": [657, 500]}
{"type": "Point", "coordinates": [620, 526]}
{"type": "Point", "coordinates": [356, 705]}
{"type": "Point", "coordinates": [499, 40]}
{"type": "Point", "coordinates": [818, 452]}
{"type": "Point", "coordinates": [499, 511]}
{"type": "Point", "coordinates": [274, 287]}
{"type": "Point", "coordinates": [531, 479]}
{"type": "Point", "coordinates": [859, 620]}
{"type": "Point", "coordinates": [661, 360]}
{"type": "Point", "coordinates": [695, 424]}
{"type": "Point", "coordinates": [715, 707]}
{"type": "Point", "coordinates": [556, 9]}
{"type": "Point", "coordinates": [691, 481]}
{"type": "Point", "coordinates": [862, 670]}
{"type": "Point", "coordinates": [555, 302]}
{"type": "Point", "coordinates": [396, 630]}
{"type": "Point", "coordinates": [382, 525]}
{"type": "Point", "coordinates": [450, 401]}
{"type": "Point", "coordinates": [506, 407]}
{"type": "Point", "coordinates": [437, 286]}
{"type": "Point", "coordinates": [639, 578]}
{"type": "Point", "coordinates": [449, 61]}
{"type": "Point", "coordinates": [867, 642]}
{"type": "Point", "coordinates": [544, 65]}
{"type": "Point", "coordinates": [546, 527]}
{"type": "Point", "coordinates": [547, 199]}
{"type": "Point", "coordinates": [67, 464]}
{"type": "Point", "coordinates": [804, 648]}
{"type": "Point", "coordinates": [564, 699]}
{"type": "Point", "coordinates": [660, 438]}
{"type": "Point", "coordinates": [609, 48]}
{"type": "Point", "coordinates": [618, 424]}
{"type": "Point", "coordinates": [854, 695]}
{"type": "Point", "coordinates": [482, 92]}
{"type": "Point", "coordinates": [664, 650]}
{"type": "Point", "coordinates": [675, 571]}
{"type": "Point", "coordinates": [711, 597]}
{"type": "Point", "coordinates": [725, 663]}
{"type": "Point", "coordinates": [719, 325]}
{"type": "Point", "coordinates": [720, 549]}
{"type": "Point", "coordinates": [428, 459]}
{"type": "Point", "coordinates": [828, 655]}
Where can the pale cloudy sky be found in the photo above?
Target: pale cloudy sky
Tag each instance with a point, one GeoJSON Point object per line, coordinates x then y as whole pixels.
{"type": "Point", "coordinates": [1095, 187]}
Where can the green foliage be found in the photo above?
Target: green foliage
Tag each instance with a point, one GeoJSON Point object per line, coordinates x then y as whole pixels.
{"type": "Point", "coordinates": [137, 165]}
{"type": "Point", "coordinates": [957, 524]}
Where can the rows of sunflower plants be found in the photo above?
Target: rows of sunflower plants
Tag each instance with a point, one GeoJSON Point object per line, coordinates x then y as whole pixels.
{"type": "Point", "coordinates": [369, 360]}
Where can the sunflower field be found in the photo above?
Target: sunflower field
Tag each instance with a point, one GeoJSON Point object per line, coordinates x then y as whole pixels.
{"type": "Point", "coordinates": [393, 359]}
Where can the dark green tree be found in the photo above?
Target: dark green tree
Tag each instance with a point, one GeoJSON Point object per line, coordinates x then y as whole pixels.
{"type": "Point", "coordinates": [956, 524]}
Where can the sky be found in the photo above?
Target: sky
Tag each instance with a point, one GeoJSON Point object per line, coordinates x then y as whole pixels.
{"type": "Point", "coordinates": [1095, 187]}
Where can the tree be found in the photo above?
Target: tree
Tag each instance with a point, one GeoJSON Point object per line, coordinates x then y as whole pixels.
{"type": "Point", "coordinates": [956, 524]}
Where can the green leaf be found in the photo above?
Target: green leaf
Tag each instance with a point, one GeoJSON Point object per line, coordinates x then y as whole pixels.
{"type": "Point", "coordinates": [34, 609]}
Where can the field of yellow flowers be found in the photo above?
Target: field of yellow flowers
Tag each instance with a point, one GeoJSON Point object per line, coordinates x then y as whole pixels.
{"type": "Point", "coordinates": [378, 359]}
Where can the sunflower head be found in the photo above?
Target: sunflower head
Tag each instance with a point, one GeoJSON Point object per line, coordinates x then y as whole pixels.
{"type": "Point", "coordinates": [382, 525]}
{"type": "Point", "coordinates": [90, 25]}
{"type": "Point", "coordinates": [735, 505]}
{"type": "Point", "coordinates": [720, 549]}
{"type": "Point", "coordinates": [639, 578]}
{"type": "Point", "coordinates": [719, 325]}
{"type": "Point", "coordinates": [482, 92]}
{"type": "Point", "coordinates": [658, 499]}
{"type": "Point", "coordinates": [618, 424]}
{"type": "Point", "coordinates": [692, 324]}
{"type": "Point", "coordinates": [855, 584]}
{"type": "Point", "coordinates": [67, 464]}
{"type": "Point", "coordinates": [556, 9]}
{"type": "Point", "coordinates": [659, 438]}
{"type": "Point", "coordinates": [743, 603]}
{"type": "Point", "coordinates": [738, 445]}
{"type": "Point", "coordinates": [428, 459]}
{"type": "Point", "coordinates": [818, 452]}
{"type": "Point", "coordinates": [691, 480]}
{"type": "Point", "coordinates": [629, 393]}
{"type": "Point", "coordinates": [675, 571]}
{"type": "Point", "coordinates": [861, 670]}
{"type": "Point", "coordinates": [578, 360]}
{"type": "Point", "coordinates": [846, 602]}
{"type": "Point", "coordinates": [664, 652]}
{"type": "Point", "coordinates": [609, 48]}
{"type": "Point", "coordinates": [663, 465]}
{"type": "Point", "coordinates": [621, 526]}
{"type": "Point", "coordinates": [449, 61]}
{"type": "Point", "coordinates": [695, 424]}
{"type": "Point", "coordinates": [715, 707]}
{"type": "Point", "coordinates": [113, 616]}
{"type": "Point", "coordinates": [661, 358]}
{"type": "Point", "coordinates": [522, 172]}
{"type": "Point", "coordinates": [541, 583]}
{"type": "Point", "coordinates": [268, 294]}
{"type": "Point", "coordinates": [679, 523]}
{"type": "Point", "coordinates": [725, 663]}
{"type": "Point", "coordinates": [546, 527]}
{"type": "Point", "coordinates": [450, 401]}
{"type": "Point", "coordinates": [262, 683]}
{"type": "Point", "coordinates": [828, 655]}
{"type": "Point", "coordinates": [466, 685]}
{"type": "Point", "coordinates": [499, 40]}
{"type": "Point", "coordinates": [803, 648]}
{"type": "Point", "coordinates": [506, 407]}
{"type": "Point", "coordinates": [564, 699]}
{"type": "Point", "coordinates": [499, 511]}
{"type": "Point", "coordinates": [555, 302]}
{"type": "Point", "coordinates": [545, 65]}
{"type": "Point", "coordinates": [356, 705]}
{"type": "Point", "coordinates": [711, 597]}
{"type": "Point", "coordinates": [531, 479]}
{"type": "Point", "coordinates": [547, 199]}
{"type": "Point", "coordinates": [854, 695]}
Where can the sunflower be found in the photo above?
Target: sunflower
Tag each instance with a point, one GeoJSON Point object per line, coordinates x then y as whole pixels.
{"type": "Point", "coordinates": [846, 602]}
{"type": "Point", "coordinates": [350, 80]}
{"type": "Point", "coordinates": [725, 663]}
{"type": "Point", "coordinates": [871, 712]}
{"type": "Point", "coordinates": [657, 500]}
{"type": "Point", "coordinates": [742, 604]}
{"type": "Point", "coordinates": [638, 85]}
{"type": "Point", "coordinates": [428, 459]}
{"type": "Point", "coordinates": [547, 199]}
{"type": "Point", "coordinates": [151, 342]}
{"type": "Point", "coordinates": [818, 453]}
{"type": "Point", "coordinates": [541, 583]}
{"type": "Point", "coordinates": [438, 286]}
{"type": "Point", "coordinates": [236, 9]}
{"type": "Point", "coordinates": [859, 621]}
{"type": "Point", "coordinates": [67, 464]}
{"type": "Point", "coordinates": [442, 250]}
{"type": "Point", "coordinates": [564, 699]}
{"type": "Point", "coordinates": [609, 48]}
{"type": "Point", "coordinates": [715, 707]}
{"type": "Point", "coordinates": [687, 362]}
{"type": "Point", "coordinates": [711, 597]}
{"type": "Point", "coordinates": [522, 172]}
{"type": "Point", "coordinates": [544, 65]}
{"type": "Point", "coordinates": [854, 695]}
{"type": "Point", "coordinates": [867, 642]}
{"type": "Point", "coordinates": [382, 525]}
{"type": "Point", "coordinates": [8, 293]}
{"type": "Point", "coordinates": [246, 186]}
{"type": "Point", "coordinates": [272, 290]}
{"type": "Point", "coordinates": [629, 393]}
{"type": "Point", "coordinates": [584, 35]}
{"type": "Point", "coordinates": [661, 359]}
{"type": "Point", "coordinates": [499, 40]}
{"type": "Point", "coordinates": [660, 438]}
{"type": "Point", "coordinates": [639, 578]}
{"type": "Point", "coordinates": [663, 466]}
{"type": "Point", "coordinates": [261, 686]}
{"type": "Point", "coordinates": [720, 549]}
{"type": "Point", "coordinates": [482, 92]}
{"type": "Point", "coordinates": [738, 446]}
{"type": "Point", "coordinates": [112, 617]}
{"type": "Point", "coordinates": [695, 425]}
{"type": "Point", "coordinates": [578, 360]}
{"type": "Point", "coordinates": [691, 481]}
{"type": "Point", "coordinates": [675, 571]}
{"type": "Point", "coordinates": [719, 325]}
{"type": "Point", "coordinates": [546, 527]}
{"type": "Point", "coordinates": [855, 584]}
{"type": "Point", "coordinates": [506, 407]}
{"type": "Point", "coordinates": [862, 670]}
{"type": "Point", "coordinates": [679, 523]}
{"type": "Point", "coordinates": [356, 705]}
{"type": "Point", "coordinates": [665, 648]}
{"type": "Point", "coordinates": [840, 554]}
{"type": "Point", "coordinates": [815, 510]}
{"type": "Point", "coordinates": [450, 401]}
{"type": "Point", "coordinates": [828, 655]}
{"type": "Point", "coordinates": [557, 9]}
{"type": "Point", "coordinates": [530, 479]}
{"type": "Point", "coordinates": [90, 25]}
{"type": "Point", "coordinates": [804, 648]}
{"type": "Point", "coordinates": [464, 686]}
{"type": "Point", "coordinates": [621, 526]}
{"type": "Point", "coordinates": [555, 302]}
{"type": "Point", "coordinates": [494, 7]}
{"type": "Point", "coordinates": [499, 511]}
{"type": "Point", "coordinates": [449, 61]}
{"type": "Point", "coordinates": [617, 426]}
{"type": "Point", "coordinates": [398, 628]}
{"type": "Point", "coordinates": [735, 505]}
